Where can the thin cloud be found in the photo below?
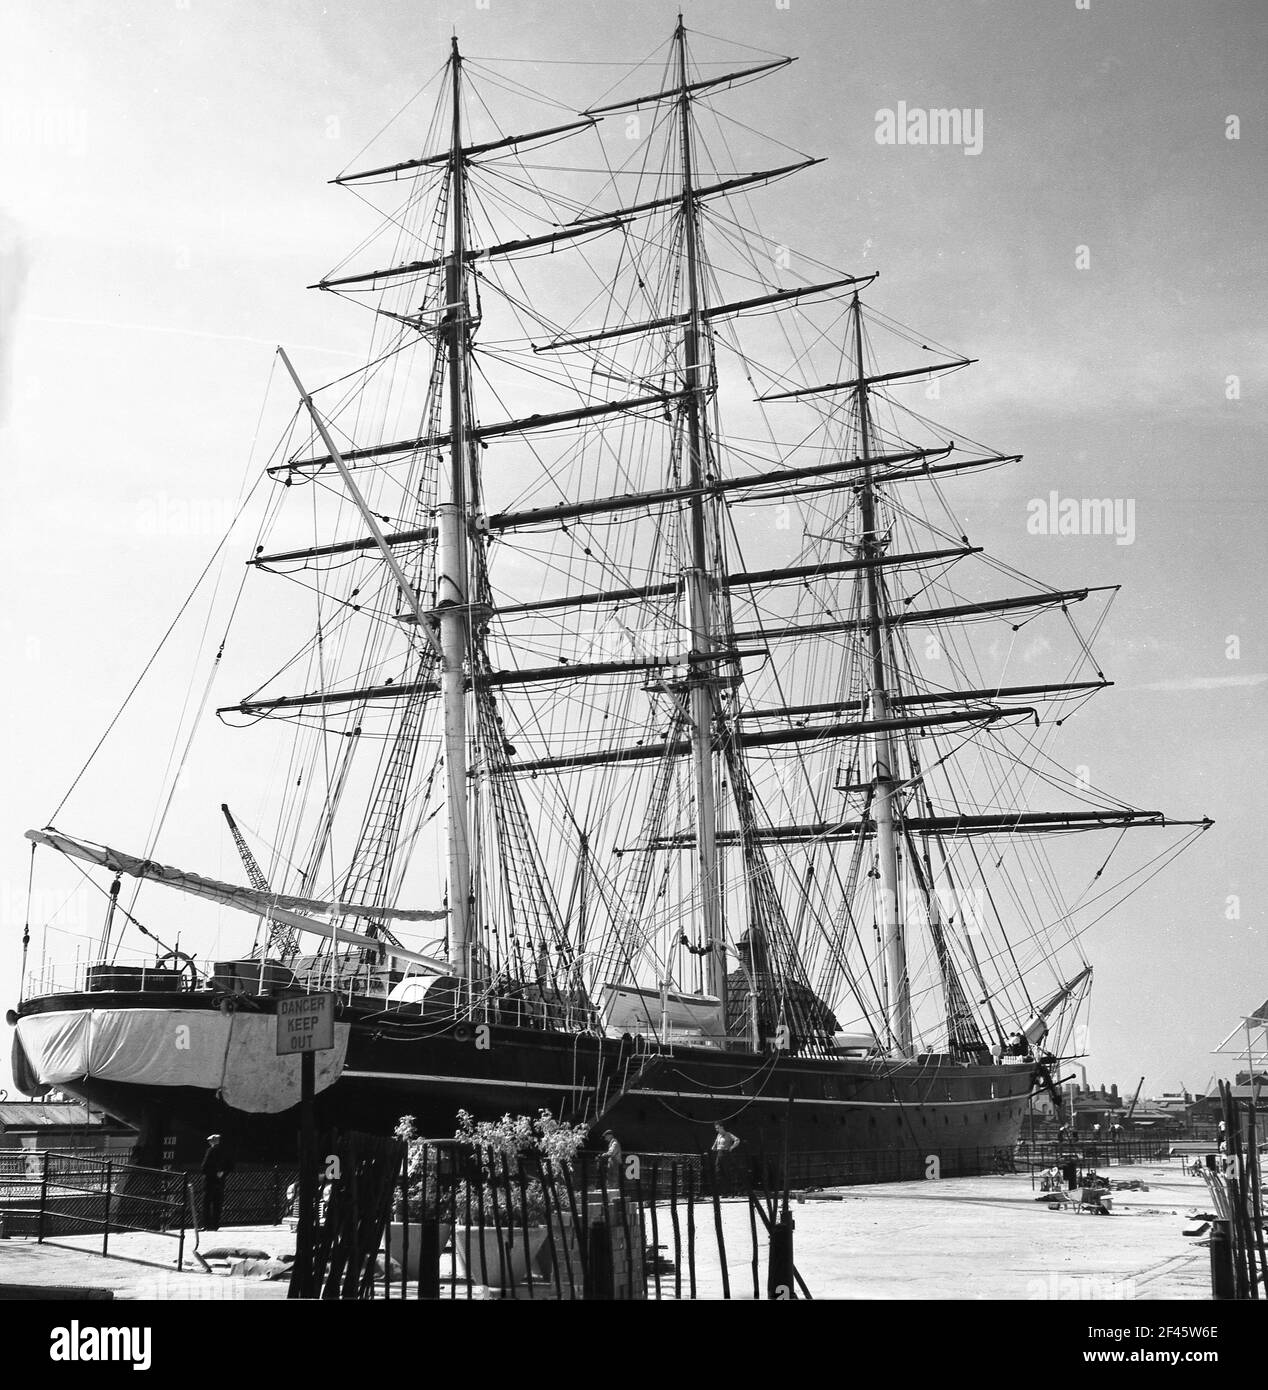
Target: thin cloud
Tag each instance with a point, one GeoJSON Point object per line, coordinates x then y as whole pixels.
{"type": "Point", "coordinates": [13, 266]}
{"type": "Point", "coordinates": [1207, 682]}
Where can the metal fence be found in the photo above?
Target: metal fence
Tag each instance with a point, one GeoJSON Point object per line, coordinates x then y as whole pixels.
{"type": "Point", "coordinates": [1091, 1153]}
{"type": "Point", "coordinates": [54, 1194]}
{"type": "Point", "coordinates": [470, 1225]}
{"type": "Point", "coordinates": [255, 1194]}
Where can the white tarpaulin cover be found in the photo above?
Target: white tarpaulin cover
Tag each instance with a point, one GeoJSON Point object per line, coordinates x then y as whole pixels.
{"type": "Point", "coordinates": [257, 1080]}
{"type": "Point", "coordinates": [232, 1054]}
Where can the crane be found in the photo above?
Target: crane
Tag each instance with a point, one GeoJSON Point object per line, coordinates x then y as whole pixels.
{"type": "Point", "coordinates": [283, 940]}
{"type": "Point", "coordinates": [1131, 1109]}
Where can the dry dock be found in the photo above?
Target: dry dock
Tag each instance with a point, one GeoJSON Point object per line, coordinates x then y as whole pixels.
{"type": "Point", "coordinates": [995, 1238]}
{"type": "Point", "coordinates": [962, 1238]}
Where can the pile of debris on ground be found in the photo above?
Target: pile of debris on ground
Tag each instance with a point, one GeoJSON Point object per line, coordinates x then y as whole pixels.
{"type": "Point", "coordinates": [253, 1262]}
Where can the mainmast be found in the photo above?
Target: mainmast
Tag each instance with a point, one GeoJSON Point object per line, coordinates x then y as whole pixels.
{"type": "Point", "coordinates": [697, 576]}
{"type": "Point", "coordinates": [897, 985]}
{"type": "Point", "coordinates": [452, 570]}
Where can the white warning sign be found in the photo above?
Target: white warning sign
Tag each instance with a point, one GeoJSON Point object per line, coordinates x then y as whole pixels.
{"type": "Point", "coordinates": [305, 1024]}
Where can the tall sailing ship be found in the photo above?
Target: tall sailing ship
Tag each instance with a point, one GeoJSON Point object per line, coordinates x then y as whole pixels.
{"type": "Point", "coordinates": [642, 655]}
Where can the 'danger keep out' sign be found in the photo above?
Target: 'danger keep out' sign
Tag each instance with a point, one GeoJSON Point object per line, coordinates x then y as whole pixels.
{"type": "Point", "coordinates": [305, 1024]}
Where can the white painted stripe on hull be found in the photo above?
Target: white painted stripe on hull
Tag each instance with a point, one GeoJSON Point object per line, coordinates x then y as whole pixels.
{"type": "Point", "coordinates": [817, 1100]}
{"type": "Point", "coordinates": [676, 1095]}
{"type": "Point", "coordinates": [468, 1081]}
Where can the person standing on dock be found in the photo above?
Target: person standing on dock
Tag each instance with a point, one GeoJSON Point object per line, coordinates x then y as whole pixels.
{"type": "Point", "coordinates": [611, 1160]}
{"type": "Point", "coordinates": [216, 1166]}
{"type": "Point", "coordinates": [724, 1144]}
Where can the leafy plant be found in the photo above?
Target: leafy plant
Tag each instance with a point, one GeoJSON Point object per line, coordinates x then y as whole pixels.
{"type": "Point", "coordinates": [520, 1136]}
{"type": "Point", "coordinates": [421, 1168]}
{"type": "Point", "coordinates": [541, 1149]}
{"type": "Point", "coordinates": [521, 1162]}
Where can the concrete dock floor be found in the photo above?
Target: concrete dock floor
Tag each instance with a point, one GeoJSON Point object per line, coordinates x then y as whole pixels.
{"type": "Point", "coordinates": [994, 1238]}
{"type": "Point", "coordinates": [959, 1239]}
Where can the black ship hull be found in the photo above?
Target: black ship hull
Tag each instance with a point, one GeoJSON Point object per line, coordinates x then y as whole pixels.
{"type": "Point", "coordinates": [836, 1118]}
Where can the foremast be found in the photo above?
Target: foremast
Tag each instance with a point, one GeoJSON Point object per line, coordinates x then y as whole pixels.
{"type": "Point", "coordinates": [698, 576]}
{"type": "Point", "coordinates": [896, 984]}
{"type": "Point", "coordinates": [452, 613]}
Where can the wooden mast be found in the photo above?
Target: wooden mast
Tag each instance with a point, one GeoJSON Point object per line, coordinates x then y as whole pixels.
{"type": "Point", "coordinates": [699, 598]}
{"type": "Point", "coordinates": [452, 568]}
{"type": "Point", "coordinates": [897, 986]}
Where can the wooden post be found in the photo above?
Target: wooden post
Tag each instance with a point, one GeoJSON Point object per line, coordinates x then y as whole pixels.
{"type": "Point", "coordinates": [185, 1202]}
{"type": "Point", "coordinates": [581, 1222]}
{"type": "Point", "coordinates": [673, 1219]}
{"type": "Point", "coordinates": [105, 1227]}
{"type": "Point", "coordinates": [655, 1230]}
{"type": "Point", "coordinates": [453, 1267]}
{"type": "Point", "coordinates": [302, 1275]}
{"type": "Point", "coordinates": [355, 1246]}
{"type": "Point", "coordinates": [404, 1176]}
{"type": "Point", "coordinates": [574, 1235]}
{"type": "Point", "coordinates": [1254, 1178]}
{"type": "Point", "coordinates": [752, 1227]}
{"type": "Point", "coordinates": [521, 1183]}
{"type": "Point", "coordinates": [599, 1279]}
{"type": "Point", "coordinates": [1244, 1263]}
{"type": "Point", "coordinates": [622, 1205]}
{"type": "Point", "coordinates": [781, 1273]}
{"type": "Point", "coordinates": [1221, 1262]}
{"type": "Point", "coordinates": [429, 1257]}
{"type": "Point", "coordinates": [1232, 1147]}
{"type": "Point", "coordinates": [717, 1226]}
{"type": "Point", "coordinates": [550, 1200]}
{"type": "Point", "coordinates": [691, 1233]}
{"type": "Point", "coordinates": [39, 1230]}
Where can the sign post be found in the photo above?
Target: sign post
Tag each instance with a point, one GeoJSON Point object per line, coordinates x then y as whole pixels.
{"type": "Point", "coordinates": [305, 1024]}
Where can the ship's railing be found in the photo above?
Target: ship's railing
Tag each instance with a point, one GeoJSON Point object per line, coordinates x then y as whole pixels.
{"type": "Point", "coordinates": [348, 977]}
{"type": "Point", "coordinates": [91, 976]}
{"type": "Point", "coordinates": [523, 1005]}
{"type": "Point", "coordinates": [55, 1193]}
{"type": "Point", "coordinates": [52, 979]}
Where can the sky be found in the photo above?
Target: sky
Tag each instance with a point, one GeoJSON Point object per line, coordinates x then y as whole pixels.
{"type": "Point", "coordinates": [164, 202]}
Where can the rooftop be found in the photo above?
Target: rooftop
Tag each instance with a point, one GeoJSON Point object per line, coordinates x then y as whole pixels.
{"type": "Point", "coordinates": [35, 1114]}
